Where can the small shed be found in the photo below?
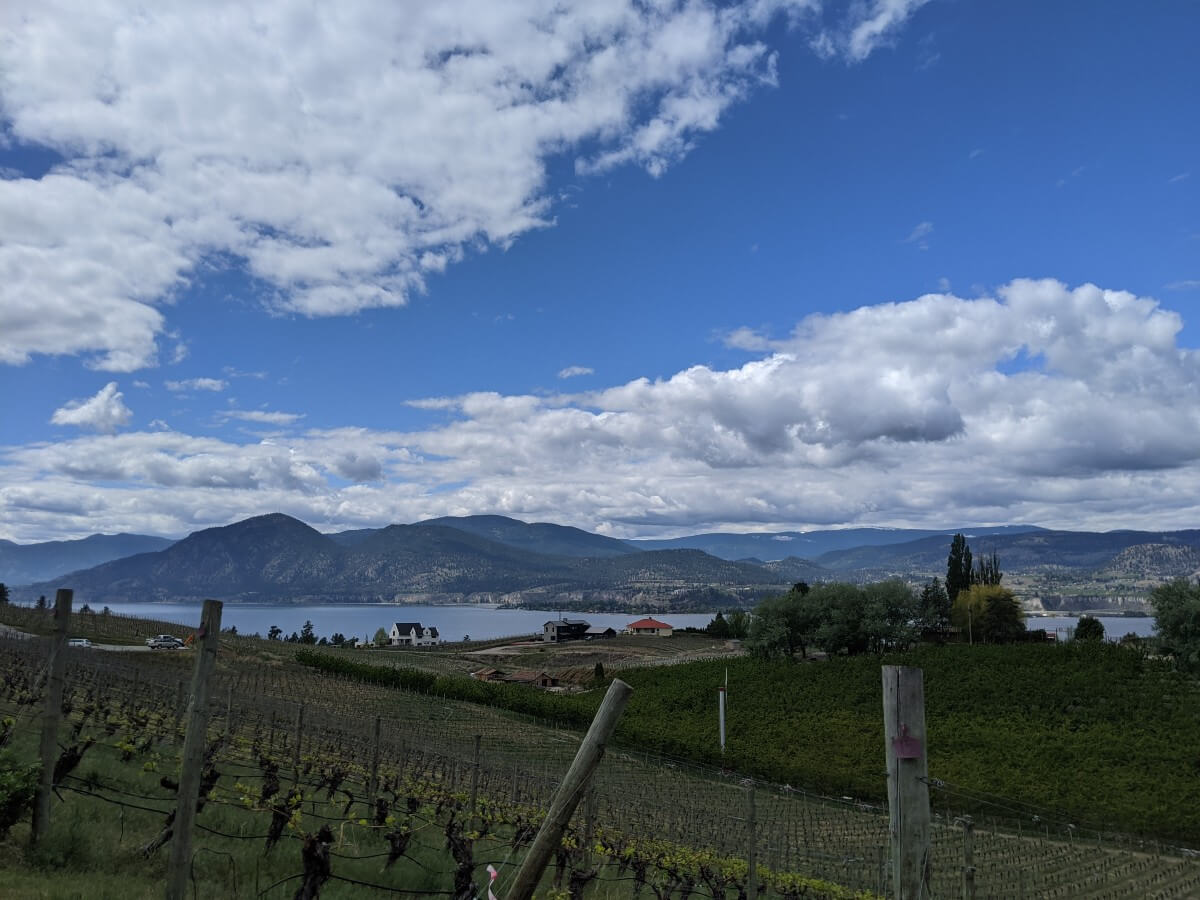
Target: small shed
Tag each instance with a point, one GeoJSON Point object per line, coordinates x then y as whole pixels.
{"type": "Point", "coordinates": [599, 631]}
{"type": "Point", "coordinates": [533, 677]}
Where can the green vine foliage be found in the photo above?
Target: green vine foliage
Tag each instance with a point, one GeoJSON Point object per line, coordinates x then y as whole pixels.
{"type": "Point", "coordinates": [1097, 734]}
{"type": "Point", "coordinates": [18, 784]}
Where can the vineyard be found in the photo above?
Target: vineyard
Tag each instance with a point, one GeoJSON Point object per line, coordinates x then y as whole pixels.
{"type": "Point", "coordinates": [323, 782]}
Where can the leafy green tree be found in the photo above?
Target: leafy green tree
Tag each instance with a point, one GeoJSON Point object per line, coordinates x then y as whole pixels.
{"type": "Point", "coordinates": [967, 611]}
{"type": "Point", "coordinates": [783, 625]}
{"type": "Point", "coordinates": [274, 632]}
{"type": "Point", "coordinates": [935, 604]}
{"type": "Point", "coordinates": [739, 624]}
{"type": "Point", "coordinates": [306, 633]}
{"type": "Point", "coordinates": [842, 609]}
{"type": "Point", "coordinates": [598, 672]}
{"type": "Point", "coordinates": [3, 593]}
{"type": "Point", "coordinates": [890, 616]}
{"type": "Point", "coordinates": [1177, 614]}
{"type": "Point", "coordinates": [987, 571]}
{"type": "Point", "coordinates": [958, 567]}
{"type": "Point", "coordinates": [85, 609]}
{"type": "Point", "coordinates": [1089, 629]}
{"type": "Point", "coordinates": [381, 637]}
{"type": "Point", "coordinates": [337, 639]}
{"type": "Point", "coordinates": [1003, 620]}
{"type": "Point", "coordinates": [989, 614]}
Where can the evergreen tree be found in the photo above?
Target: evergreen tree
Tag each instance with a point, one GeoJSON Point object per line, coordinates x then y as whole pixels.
{"type": "Point", "coordinates": [41, 604]}
{"type": "Point", "coordinates": [3, 592]}
{"type": "Point", "coordinates": [306, 633]}
{"type": "Point", "coordinates": [958, 567]}
{"type": "Point", "coordinates": [718, 627]}
{"type": "Point", "coordinates": [274, 632]}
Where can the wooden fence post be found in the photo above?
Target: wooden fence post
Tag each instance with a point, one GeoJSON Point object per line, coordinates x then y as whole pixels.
{"type": "Point", "coordinates": [299, 734]}
{"type": "Point", "coordinates": [52, 714]}
{"type": "Point", "coordinates": [907, 776]}
{"type": "Point", "coordinates": [373, 784]}
{"type": "Point", "coordinates": [208, 637]}
{"type": "Point", "coordinates": [968, 872]}
{"type": "Point", "coordinates": [475, 775]}
{"type": "Point", "coordinates": [752, 845]}
{"type": "Point", "coordinates": [569, 793]}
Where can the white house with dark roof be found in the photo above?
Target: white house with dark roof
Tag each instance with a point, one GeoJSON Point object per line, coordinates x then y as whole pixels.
{"type": "Point", "coordinates": [411, 634]}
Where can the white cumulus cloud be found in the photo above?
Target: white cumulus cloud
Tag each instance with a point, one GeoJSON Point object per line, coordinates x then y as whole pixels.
{"type": "Point", "coordinates": [106, 411]}
{"type": "Point", "coordinates": [338, 153]}
{"type": "Point", "coordinates": [1064, 406]}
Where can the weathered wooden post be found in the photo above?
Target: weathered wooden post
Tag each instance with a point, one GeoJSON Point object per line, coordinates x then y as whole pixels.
{"type": "Point", "coordinates": [908, 788]}
{"type": "Point", "coordinates": [569, 793]}
{"type": "Point", "coordinates": [373, 784]}
{"type": "Point", "coordinates": [296, 748]}
{"type": "Point", "coordinates": [968, 872]}
{"type": "Point", "coordinates": [751, 845]}
{"type": "Point", "coordinates": [52, 714]}
{"type": "Point", "coordinates": [475, 775]}
{"type": "Point", "coordinates": [207, 639]}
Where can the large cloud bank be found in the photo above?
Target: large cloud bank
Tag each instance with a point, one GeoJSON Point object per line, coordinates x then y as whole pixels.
{"type": "Point", "coordinates": [1071, 407]}
{"type": "Point", "coordinates": [340, 153]}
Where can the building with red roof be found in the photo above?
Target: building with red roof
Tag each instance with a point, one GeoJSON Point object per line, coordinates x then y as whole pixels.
{"type": "Point", "coordinates": [649, 626]}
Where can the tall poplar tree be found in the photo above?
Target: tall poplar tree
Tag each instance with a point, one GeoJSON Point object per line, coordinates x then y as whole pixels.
{"type": "Point", "coordinates": [958, 567]}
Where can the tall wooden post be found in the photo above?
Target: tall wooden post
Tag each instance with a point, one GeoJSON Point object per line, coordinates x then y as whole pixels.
{"type": "Point", "coordinates": [52, 714]}
{"type": "Point", "coordinates": [908, 772]}
{"type": "Point", "coordinates": [475, 775]}
{"type": "Point", "coordinates": [572, 789]}
{"type": "Point", "coordinates": [752, 845]}
{"type": "Point", "coordinates": [207, 639]}
{"type": "Point", "coordinates": [373, 784]}
{"type": "Point", "coordinates": [968, 825]}
{"type": "Point", "coordinates": [296, 748]}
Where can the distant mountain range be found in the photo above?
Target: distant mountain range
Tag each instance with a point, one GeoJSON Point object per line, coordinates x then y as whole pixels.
{"type": "Point", "coordinates": [27, 563]}
{"type": "Point", "coordinates": [814, 544]}
{"type": "Point", "coordinates": [276, 558]}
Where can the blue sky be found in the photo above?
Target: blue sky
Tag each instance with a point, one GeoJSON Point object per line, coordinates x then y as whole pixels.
{"type": "Point", "coordinates": [741, 266]}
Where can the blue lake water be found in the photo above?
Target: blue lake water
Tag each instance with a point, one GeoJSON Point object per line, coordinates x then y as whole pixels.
{"type": "Point", "coordinates": [354, 620]}
{"type": "Point", "coordinates": [484, 622]}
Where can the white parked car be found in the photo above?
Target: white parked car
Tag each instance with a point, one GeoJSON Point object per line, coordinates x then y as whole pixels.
{"type": "Point", "coordinates": [164, 642]}
{"type": "Point", "coordinates": [79, 642]}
